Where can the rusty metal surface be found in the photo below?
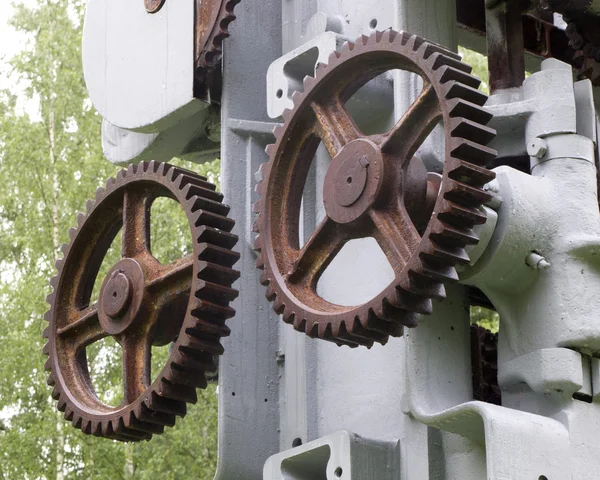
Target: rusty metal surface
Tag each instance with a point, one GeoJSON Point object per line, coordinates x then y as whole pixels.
{"type": "Point", "coordinates": [153, 6]}
{"type": "Point", "coordinates": [484, 361]}
{"type": "Point", "coordinates": [423, 259]}
{"type": "Point", "coordinates": [142, 303]}
{"type": "Point", "coordinates": [212, 27]}
{"type": "Point", "coordinates": [506, 50]}
{"type": "Point", "coordinates": [540, 36]}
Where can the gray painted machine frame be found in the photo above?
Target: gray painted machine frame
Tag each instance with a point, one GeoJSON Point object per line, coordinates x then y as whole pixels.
{"type": "Point", "coordinates": [406, 408]}
{"type": "Point", "coordinates": [295, 408]}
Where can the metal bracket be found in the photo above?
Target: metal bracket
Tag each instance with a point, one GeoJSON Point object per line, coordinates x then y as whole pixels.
{"type": "Point", "coordinates": [286, 74]}
{"type": "Point", "coordinates": [342, 455]}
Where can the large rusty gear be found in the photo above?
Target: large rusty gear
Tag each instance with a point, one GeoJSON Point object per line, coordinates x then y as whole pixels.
{"type": "Point", "coordinates": [142, 303]}
{"type": "Point", "coordinates": [378, 166]}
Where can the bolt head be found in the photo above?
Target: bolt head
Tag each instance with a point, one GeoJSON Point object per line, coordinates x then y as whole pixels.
{"type": "Point", "coordinates": [537, 148]}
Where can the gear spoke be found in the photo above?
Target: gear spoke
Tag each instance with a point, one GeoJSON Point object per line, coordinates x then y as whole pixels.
{"type": "Point", "coordinates": [136, 223]}
{"type": "Point", "coordinates": [413, 128]}
{"type": "Point", "coordinates": [84, 327]}
{"type": "Point", "coordinates": [395, 234]}
{"type": "Point", "coordinates": [368, 186]}
{"type": "Point", "coordinates": [137, 355]}
{"type": "Point", "coordinates": [174, 280]}
{"type": "Point", "coordinates": [142, 303]}
{"type": "Point", "coordinates": [318, 252]}
{"type": "Point", "coordinates": [335, 125]}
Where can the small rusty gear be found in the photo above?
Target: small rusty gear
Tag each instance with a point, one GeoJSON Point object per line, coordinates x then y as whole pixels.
{"type": "Point", "coordinates": [212, 27]}
{"type": "Point", "coordinates": [366, 189]}
{"type": "Point", "coordinates": [142, 303]}
{"type": "Point", "coordinates": [484, 361]}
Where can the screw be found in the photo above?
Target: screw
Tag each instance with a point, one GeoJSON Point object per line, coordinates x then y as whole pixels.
{"type": "Point", "coordinates": [537, 262]}
{"type": "Point", "coordinates": [537, 148]}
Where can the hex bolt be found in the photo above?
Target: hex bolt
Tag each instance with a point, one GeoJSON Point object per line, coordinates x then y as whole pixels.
{"type": "Point", "coordinates": [537, 148]}
{"type": "Point", "coordinates": [537, 262]}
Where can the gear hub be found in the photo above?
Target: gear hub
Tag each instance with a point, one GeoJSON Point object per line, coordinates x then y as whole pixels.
{"type": "Point", "coordinates": [374, 187]}
{"type": "Point", "coordinates": [142, 303]}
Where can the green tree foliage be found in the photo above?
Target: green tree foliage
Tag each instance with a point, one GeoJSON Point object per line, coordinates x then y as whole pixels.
{"type": "Point", "coordinates": [50, 163]}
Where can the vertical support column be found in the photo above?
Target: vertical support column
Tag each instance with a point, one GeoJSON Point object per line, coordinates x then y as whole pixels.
{"type": "Point", "coordinates": [436, 21]}
{"type": "Point", "coordinates": [506, 52]}
{"type": "Point", "coordinates": [248, 371]}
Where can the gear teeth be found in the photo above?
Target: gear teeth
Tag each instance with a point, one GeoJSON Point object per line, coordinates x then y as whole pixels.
{"type": "Point", "coordinates": [146, 415]}
{"type": "Point", "coordinates": [387, 36]}
{"type": "Point", "coordinates": [422, 285]}
{"type": "Point", "coordinates": [460, 216]}
{"type": "Point", "coordinates": [288, 317]}
{"type": "Point", "coordinates": [195, 345]}
{"type": "Point", "coordinates": [168, 406]}
{"type": "Point", "coordinates": [216, 237]}
{"type": "Point", "coordinates": [450, 228]}
{"type": "Point", "coordinates": [466, 195]}
{"type": "Point", "coordinates": [205, 218]}
{"type": "Point", "coordinates": [472, 152]}
{"type": "Point", "coordinates": [204, 194]}
{"type": "Point", "coordinates": [410, 302]}
{"type": "Point", "coordinates": [76, 421]}
{"type": "Point", "coordinates": [465, 109]}
{"type": "Point", "coordinates": [199, 340]}
{"type": "Point", "coordinates": [190, 377]}
{"type": "Point", "coordinates": [460, 90]}
{"type": "Point", "coordinates": [375, 324]}
{"type": "Point", "coordinates": [471, 174]}
{"type": "Point", "coordinates": [221, 256]}
{"type": "Point", "coordinates": [180, 393]}
{"type": "Point", "coordinates": [211, 54]}
{"type": "Point", "coordinates": [448, 73]}
{"type": "Point", "coordinates": [447, 254]}
{"type": "Point", "coordinates": [454, 236]}
{"type": "Point", "coordinates": [300, 324]}
{"type": "Point", "coordinates": [204, 307]}
{"type": "Point", "coordinates": [222, 275]}
{"type": "Point", "coordinates": [438, 60]}
{"type": "Point", "coordinates": [472, 131]}
{"type": "Point", "coordinates": [441, 273]}
{"type": "Point", "coordinates": [286, 114]}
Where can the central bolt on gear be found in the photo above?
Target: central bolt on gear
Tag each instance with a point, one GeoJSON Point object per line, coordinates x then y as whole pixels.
{"type": "Point", "coordinates": [142, 303]}
{"type": "Point", "coordinates": [373, 188]}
